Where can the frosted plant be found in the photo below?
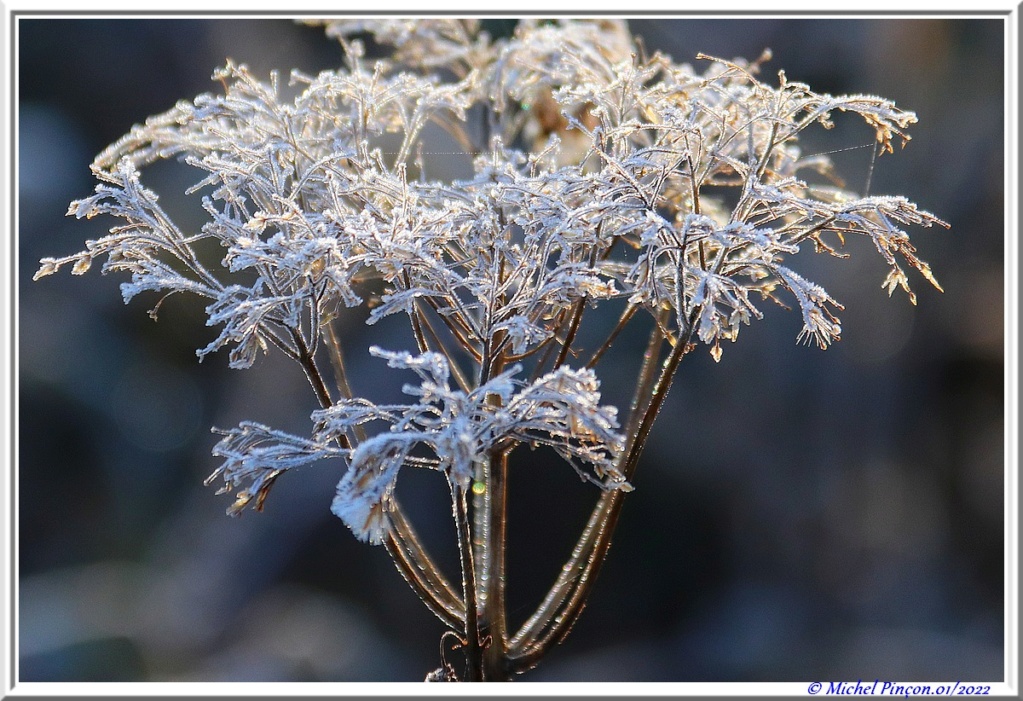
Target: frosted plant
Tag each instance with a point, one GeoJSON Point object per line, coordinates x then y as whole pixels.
{"type": "Point", "coordinates": [602, 180]}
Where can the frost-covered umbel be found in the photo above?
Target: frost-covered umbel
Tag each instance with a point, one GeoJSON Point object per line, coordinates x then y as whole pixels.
{"type": "Point", "coordinates": [599, 178]}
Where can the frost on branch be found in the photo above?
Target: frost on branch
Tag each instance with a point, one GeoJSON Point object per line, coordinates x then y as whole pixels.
{"type": "Point", "coordinates": [148, 244]}
{"type": "Point", "coordinates": [450, 430]}
{"type": "Point", "coordinates": [617, 154]}
{"type": "Point", "coordinates": [418, 43]}
{"type": "Point", "coordinates": [592, 176]}
{"type": "Point", "coordinates": [255, 455]}
{"type": "Point", "coordinates": [445, 429]}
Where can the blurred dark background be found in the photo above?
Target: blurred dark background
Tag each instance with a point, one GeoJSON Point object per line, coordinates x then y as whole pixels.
{"type": "Point", "coordinates": [798, 514]}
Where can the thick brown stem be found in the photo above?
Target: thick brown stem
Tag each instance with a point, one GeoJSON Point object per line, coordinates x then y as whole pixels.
{"type": "Point", "coordinates": [473, 657]}
{"type": "Point", "coordinates": [494, 622]}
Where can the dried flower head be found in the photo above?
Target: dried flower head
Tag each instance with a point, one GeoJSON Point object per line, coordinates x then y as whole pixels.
{"type": "Point", "coordinates": [600, 178]}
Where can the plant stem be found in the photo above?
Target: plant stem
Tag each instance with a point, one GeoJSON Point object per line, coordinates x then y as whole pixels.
{"type": "Point", "coordinates": [490, 512]}
{"type": "Point", "coordinates": [494, 621]}
{"type": "Point", "coordinates": [627, 315]}
{"type": "Point", "coordinates": [421, 574]}
{"type": "Point", "coordinates": [411, 559]}
{"type": "Point", "coordinates": [490, 532]}
{"type": "Point", "coordinates": [573, 328]}
{"type": "Point", "coordinates": [312, 371]}
{"type": "Point", "coordinates": [571, 576]}
{"type": "Point", "coordinates": [567, 598]}
{"type": "Point", "coordinates": [474, 671]}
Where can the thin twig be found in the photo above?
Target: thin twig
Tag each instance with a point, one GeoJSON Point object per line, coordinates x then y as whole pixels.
{"type": "Point", "coordinates": [577, 315]}
{"type": "Point", "coordinates": [312, 371]}
{"type": "Point", "coordinates": [428, 582]}
{"type": "Point", "coordinates": [456, 370]}
{"type": "Point", "coordinates": [623, 321]}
